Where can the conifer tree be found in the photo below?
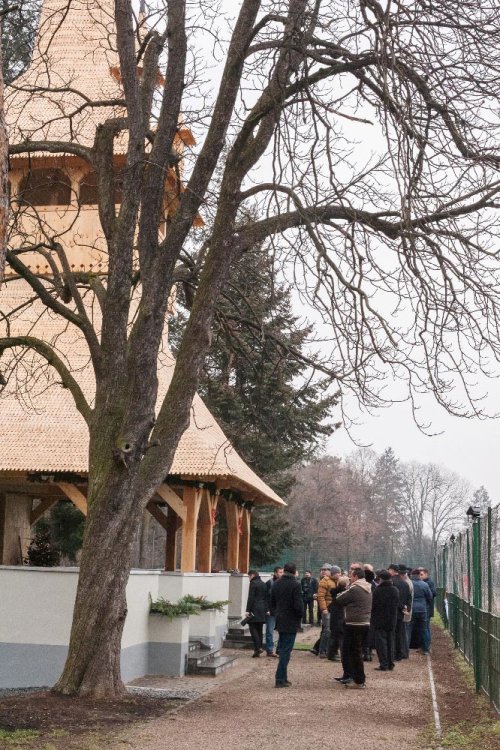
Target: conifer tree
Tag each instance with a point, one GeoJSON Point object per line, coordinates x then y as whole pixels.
{"type": "Point", "coordinates": [18, 33]}
{"type": "Point", "coordinates": [259, 384]}
{"type": "Point", "coordinates": [42, 552]}
{"type": "Point", "coordinates": [386, 484]}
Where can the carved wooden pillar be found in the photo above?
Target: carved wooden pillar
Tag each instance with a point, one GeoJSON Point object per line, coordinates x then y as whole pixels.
{"type": "Point", "coordinates": [191, 499]}
{"type": "Point", "coordinates": [206, 522]}
{"type": "Point", "coordinates": [15, 530]}
{"type": "Point", "coordinates": [244, 552]}
{"type": "Point", "coordinates": [233, 516]}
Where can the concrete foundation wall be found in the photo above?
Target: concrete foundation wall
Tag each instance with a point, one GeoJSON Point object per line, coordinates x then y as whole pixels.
{"type": "Point", "coordinates": [215, 586]}
{"type": "Point", "coordinates": [238, 594]}
{"type": "Point", "coordinates": [37, 610]}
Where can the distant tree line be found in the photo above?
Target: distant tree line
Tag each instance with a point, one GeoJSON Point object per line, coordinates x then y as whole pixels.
{"type": "Point", "coordinates": [374, 507]}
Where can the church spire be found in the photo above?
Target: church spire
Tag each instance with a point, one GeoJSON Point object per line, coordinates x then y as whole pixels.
{"type": "Point", "coordinates": [74, 63]}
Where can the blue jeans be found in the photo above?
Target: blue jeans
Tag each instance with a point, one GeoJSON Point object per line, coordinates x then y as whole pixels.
{"type": "Point", "coordinates": [285, 646]}
{"type": "Point", "coordinates": [270, 623]}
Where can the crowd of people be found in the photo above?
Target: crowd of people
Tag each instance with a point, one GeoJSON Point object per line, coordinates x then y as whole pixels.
{"type": "Point", "coordinates": [360, 611]}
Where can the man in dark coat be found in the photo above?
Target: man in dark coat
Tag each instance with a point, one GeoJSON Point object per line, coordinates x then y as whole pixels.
{"type": "Point", "coordinates": [405, 600]}
{"type": "Point", "coordinates": [309, 587]}
{"type": "Point", "coordinates": [385, 605]}
{"type": "Point", "coordinates": [256, 610]}
{"type": "Point", "coordinates": [286, 607]}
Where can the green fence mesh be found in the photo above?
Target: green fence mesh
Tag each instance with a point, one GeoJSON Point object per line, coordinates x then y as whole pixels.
{"type": "Point", "coordinates": [468, 583]}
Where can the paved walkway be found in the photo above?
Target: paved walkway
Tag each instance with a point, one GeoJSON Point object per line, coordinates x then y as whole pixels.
{"type": "Point", "coordinates": [242, 709]}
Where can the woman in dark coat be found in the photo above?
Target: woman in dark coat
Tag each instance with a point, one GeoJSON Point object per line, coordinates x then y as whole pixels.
{"type": "Point", "coordinates": [257, 608]}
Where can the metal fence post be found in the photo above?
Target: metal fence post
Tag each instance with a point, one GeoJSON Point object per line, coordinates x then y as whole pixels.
{"type": "Point", "coordinates": [476, 611]}
{"type": "Point", "coordinates": [489, 616]}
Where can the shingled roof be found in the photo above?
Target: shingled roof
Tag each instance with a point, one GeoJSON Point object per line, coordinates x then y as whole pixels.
{"type": "Point", "coordinates": [42, 431]}
{"type": "Point", "coordinates": [74, 66]}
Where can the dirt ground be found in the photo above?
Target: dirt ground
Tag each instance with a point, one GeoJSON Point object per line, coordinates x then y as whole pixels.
{"type": "Point", "coordinates": [241, 708]}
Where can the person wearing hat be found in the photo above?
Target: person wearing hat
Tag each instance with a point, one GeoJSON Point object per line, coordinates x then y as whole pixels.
{"type": "Point", "coordinates": [385, 605]}
{"type": "Point", "coordinates": [405, 598]}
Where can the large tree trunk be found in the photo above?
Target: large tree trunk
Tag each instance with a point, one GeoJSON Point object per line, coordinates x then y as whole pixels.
{"type": "Point", "coordinates": [93, 663]}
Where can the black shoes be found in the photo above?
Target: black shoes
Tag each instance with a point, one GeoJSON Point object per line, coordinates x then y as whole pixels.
{"type": "Point", "coordinates": [282, 683]}
{"type": "Point", "coordinates": [343, 680]}
{"type": "Point", "coordinates": [381, 669]}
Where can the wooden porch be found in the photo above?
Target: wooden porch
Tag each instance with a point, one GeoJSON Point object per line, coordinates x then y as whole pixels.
{"type": "Point", "coordinates": [186, 508]}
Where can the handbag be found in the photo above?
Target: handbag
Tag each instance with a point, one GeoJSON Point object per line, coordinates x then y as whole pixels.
{"type": "Point", "coordinates": [248, 619]}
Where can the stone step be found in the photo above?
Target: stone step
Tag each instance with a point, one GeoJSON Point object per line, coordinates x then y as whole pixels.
{"type": "Point", "coordinates": [238, 634]}
{"type": "Point", "coordinates": [232, 642]}
{"type": "Point", "coordinates": [215, 666]}
{"type": "Point", "coordinates": [199, 656]}
{"type": "Point", "coordinates": [196, 645]}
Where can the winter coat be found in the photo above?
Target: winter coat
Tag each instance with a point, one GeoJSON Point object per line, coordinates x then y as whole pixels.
{"type": "Point", "coordinates": [337, 614]}
{"type": "Point", "coordinates": [287, 604]}
{"type": "Point", "coordinates": [432, 587]}
{"type": "Point", "coordinates": [325, 587]}
{"type": "Point", "coordinates": [385, 605]}
{"type": "Point", "coordinates": [405, 596]}
{"type": "Point", "coordinates": [422, 596]}
{"type": "Point", "coordinates": [269, 585]}
{"type": "Point", "coordinates": [357, 601]}
{"type": "Point", "coordinates": [257, 599]}
{"type": "Point", "coordinates": [309, 587]}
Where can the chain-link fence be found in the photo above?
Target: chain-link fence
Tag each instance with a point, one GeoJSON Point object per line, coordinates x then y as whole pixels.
{"type": "Point", "coordinates": [468, 583]}
{"type": "Point", "coordinates": [312, 555]}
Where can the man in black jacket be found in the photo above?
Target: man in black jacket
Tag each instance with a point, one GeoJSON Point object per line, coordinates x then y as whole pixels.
{"type": "Point", "coordinates": [309, 586]}
{"type": "Point", "coordinates": [385, 605]}
{"type": "Point", "coordinates": [256, 609]}
{"type": "Point", "coordinates": [404, 606]}
{"type": "Point", "coordinates": [286, 607]}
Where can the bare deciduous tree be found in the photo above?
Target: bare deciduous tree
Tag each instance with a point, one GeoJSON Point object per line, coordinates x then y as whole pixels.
{"type": "Point", "coordinates": [432, 505]}
{"type": "Point", "coordinates": [366, 137]}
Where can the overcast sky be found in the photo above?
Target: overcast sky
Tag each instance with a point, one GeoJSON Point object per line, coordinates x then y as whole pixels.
{"type": "Point", "coordinates": [467, 446]}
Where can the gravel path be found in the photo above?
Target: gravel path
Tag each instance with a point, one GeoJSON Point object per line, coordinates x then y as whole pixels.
{"type": "Point", "coordinates": [244, 710]}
